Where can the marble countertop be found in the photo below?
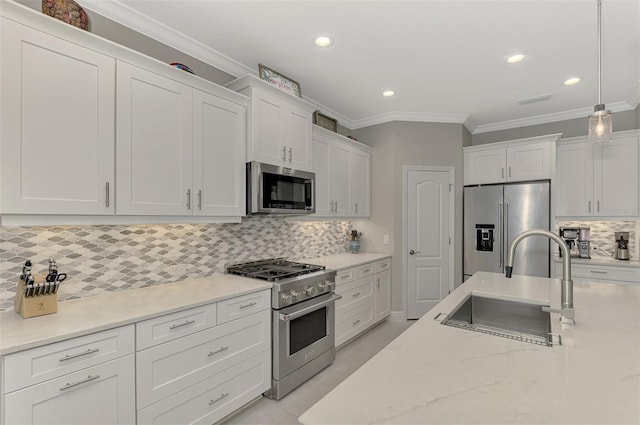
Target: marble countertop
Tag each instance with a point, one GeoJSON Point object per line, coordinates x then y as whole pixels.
{"type": "Point", "coordinates": [83, 316]}
{"type": "Point", "coordinates": [434, 374]}
{"type": "Point", "coordinates": [346, 260]}
{"type": "Point", "coordinates": [601, 260]}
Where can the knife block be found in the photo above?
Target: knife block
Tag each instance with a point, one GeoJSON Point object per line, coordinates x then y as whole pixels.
{"type": "Point", "coordinates": [37, 305]}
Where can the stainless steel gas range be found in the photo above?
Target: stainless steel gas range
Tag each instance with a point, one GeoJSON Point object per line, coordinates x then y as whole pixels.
{"type": "Point", "coordinates": [303, 319]}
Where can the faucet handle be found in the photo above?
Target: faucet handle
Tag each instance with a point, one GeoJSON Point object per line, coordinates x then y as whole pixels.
{"type": "Point", "coordinates": [567, 315]}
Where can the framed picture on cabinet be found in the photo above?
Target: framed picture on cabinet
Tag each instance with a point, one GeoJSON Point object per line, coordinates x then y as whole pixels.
{"type": "Point", "coordinates": [324, 121]}
{"type": "Point", "coordinates": [278, 80]}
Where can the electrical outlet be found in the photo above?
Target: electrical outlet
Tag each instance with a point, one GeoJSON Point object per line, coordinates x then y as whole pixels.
{"type": "Point", "coordinates": [385, 239]}
{"type": "Point", "coordinates": [178, 269]}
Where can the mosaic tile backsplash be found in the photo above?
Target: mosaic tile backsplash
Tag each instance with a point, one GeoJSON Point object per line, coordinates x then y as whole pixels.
{"type": "Point", "coordinates": [602, 234]}
{"type": "Point", "coordinates": [113, 258]}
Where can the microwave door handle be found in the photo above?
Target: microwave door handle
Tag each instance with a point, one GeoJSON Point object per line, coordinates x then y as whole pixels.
{"type": "Point", "coordinates": [287, 317]}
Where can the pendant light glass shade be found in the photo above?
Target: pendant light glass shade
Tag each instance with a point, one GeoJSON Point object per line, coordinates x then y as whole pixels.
{"type": "Point", "coordinates": [600, 125]}
{"type": "Point", "coordinates": [600, 122]}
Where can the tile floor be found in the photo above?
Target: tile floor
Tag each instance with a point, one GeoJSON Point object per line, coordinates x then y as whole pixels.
{"type": "Point", "coordinates": [348, 360]}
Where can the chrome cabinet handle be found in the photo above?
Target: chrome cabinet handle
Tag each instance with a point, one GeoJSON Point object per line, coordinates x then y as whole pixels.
{"type": "Point", "coordinates": [598, 205]}
{"type": "Point", "coordinates": [87, 379]}
{"type": "Point", "coordinates": [356, 294]}
{"type": "Point", "coordinates": [223, 395]}
{"type": "Point", "coordinates": [366, 270]}
{"type": "Point", "coordinates": [213, 353]}
{"type": "Point", "coordinates": [188, 322]}
{"type": "Point", "coordinates": [589, 206]}
{"type": "Point", "coordinates": [344, 276]}
{"type": "Point", "coordinates": [598, 272]}
{"type": "Point", "coordinates": [188, 199]}
{"type": "Point", "coordinates": [356, 208]}
{"type": "Point", "coordinates": [200, 199]}
{"type": "Point", "coordinates": [336, 207]}
{"type": "Point", "coordinates": [84, 353]}
{"type": "Point", "coordinates": [378, 279]}
{"type": "Point", "coordinates": [247, 305]}
{"type": "Point", "coordinates": [284, 153]}
{"type": "Point", "coordinates": [502, 173]}
{"type": "Point", "coordinates": [509, 171]}
{"type": "Point", "coordinates": [106, 201]}
{"type": "Point", "coordinates": [290, 153]}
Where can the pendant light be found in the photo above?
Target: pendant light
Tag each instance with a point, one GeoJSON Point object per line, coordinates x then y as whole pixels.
{"type": "Point", "coordinates": [600, 122]}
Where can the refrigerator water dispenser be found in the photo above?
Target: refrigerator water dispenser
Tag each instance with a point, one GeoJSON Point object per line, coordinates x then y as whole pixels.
{"type": "Point", "coordinates": [484, 237]}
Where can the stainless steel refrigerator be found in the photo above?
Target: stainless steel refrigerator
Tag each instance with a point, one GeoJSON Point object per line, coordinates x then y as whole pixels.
{"type": "Point", "coordinates": [494, 215]}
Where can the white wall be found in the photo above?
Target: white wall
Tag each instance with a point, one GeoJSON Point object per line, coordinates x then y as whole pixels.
{"type": "Point", "coordinates": [395, 145]}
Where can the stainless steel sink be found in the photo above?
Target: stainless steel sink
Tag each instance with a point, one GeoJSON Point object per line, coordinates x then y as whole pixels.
{"type": "Point", "coordinates": [509, 319]}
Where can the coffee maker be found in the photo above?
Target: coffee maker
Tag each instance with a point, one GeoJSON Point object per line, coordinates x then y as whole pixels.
{"type": "Point", "coordinates": [578, 239]}
{"type": "Point", "coordinates": [622, 246]}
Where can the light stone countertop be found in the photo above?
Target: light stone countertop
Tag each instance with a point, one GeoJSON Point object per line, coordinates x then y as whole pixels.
{"type": "Point", "coordinates": [434, 374]}
{"type": "Point", "coordinates": [346, 260]}
{"type": "Point", "coordinates": [601, 260]}
{"type": "Point", "coordinates": [87, 315]}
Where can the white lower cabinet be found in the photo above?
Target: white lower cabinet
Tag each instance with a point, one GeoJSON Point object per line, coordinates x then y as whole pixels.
{"type": "Point", "coordinates": [193, 366]}
{"type": "Point", "coordinates": [84, 380]}
{"type": "Point", "coordinates": [621, 275]}
{"type": "Point", "coordinates": [214, 398]}
{"type": "Point", "coordinates": [101, 394]}
{"type": "Point", "coordinates": [366, 298]}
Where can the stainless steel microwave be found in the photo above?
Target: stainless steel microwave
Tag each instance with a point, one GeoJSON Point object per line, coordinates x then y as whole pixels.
{"type": "Point", "coordinates": [272, 189]}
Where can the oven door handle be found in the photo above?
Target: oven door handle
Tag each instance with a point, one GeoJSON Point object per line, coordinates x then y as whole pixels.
{"type": "Point", "coordinates": [287, 317]}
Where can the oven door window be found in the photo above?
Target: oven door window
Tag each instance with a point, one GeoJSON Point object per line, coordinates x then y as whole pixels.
{"type": "Point", "coordinates": [307, 329]}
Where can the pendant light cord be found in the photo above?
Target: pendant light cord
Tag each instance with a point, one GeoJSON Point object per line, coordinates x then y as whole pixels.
{"type": "Point", "coordinates": [599, 52]}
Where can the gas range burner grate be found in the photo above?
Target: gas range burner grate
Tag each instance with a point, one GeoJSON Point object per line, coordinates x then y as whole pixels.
{"type": "Point", "coordinates": [273, 270]}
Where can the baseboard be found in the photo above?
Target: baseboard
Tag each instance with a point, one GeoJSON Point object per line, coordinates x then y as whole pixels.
{"type": "Point", "coordinates": [397, 316]}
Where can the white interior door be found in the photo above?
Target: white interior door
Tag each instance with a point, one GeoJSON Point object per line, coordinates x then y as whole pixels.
{"type": "Point", "coordinates": [429, 233]}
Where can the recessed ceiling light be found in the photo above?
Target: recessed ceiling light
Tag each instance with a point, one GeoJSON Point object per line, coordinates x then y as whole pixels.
{"type": "Point", "coordinates": [388, 93]}
{"type": "Point", "coordinates": [572, 81]}
{"type": "Point", "coordinates": [323, 41]}
{"type": "Point", "coordinates": [515, 58]}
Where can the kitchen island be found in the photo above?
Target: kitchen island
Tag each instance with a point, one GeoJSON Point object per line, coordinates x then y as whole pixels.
{"type": "Point", "coordinates": [435, 374]}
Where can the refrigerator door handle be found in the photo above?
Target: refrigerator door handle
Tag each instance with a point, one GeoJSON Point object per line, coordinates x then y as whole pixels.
{"type": "Point", "coordinates": [505, 234]}
{"type": "Point", "coordinates": [501, 223]}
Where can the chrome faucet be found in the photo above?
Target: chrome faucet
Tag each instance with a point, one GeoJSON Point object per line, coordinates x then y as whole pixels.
{"type": "Point", "coordinates": [567, 311]}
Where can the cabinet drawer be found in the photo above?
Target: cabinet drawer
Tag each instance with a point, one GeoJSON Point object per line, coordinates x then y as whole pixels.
{"type": "Point", "coordinates": [51, 361]}
{"type": "Point", "coordinates": [245, 305]}
{"type": "Point", "coordinates": [353, 293]}
{"type": "Point", "coordinates": [214, 398]}
{"type": "Point", "coordinates": [176, 365]}
{"type": "Point", "coordinates": [624, 274]}
{"type": "Point", "coordinates": [345, 276]}
{"type": "Point", "coordinates": [171, 326]}
{"type": "Point", "coordinates": [364, 270]}
{"type": "Point", "coordinates": [351, 323]}
{"type": "Point", "coordinates": [382, 265]}
{"type": "Point", "coordinates": [99, 394]}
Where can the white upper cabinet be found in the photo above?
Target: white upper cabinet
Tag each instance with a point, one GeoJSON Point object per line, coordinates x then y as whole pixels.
{"type": "Point", "coordinates": [219, 140]}
{"type": "Point", "coordinates": [57, 125]}
{"type": "Point", "coordinates": [280, 125]}
{"type": "Point", "coordinates": [154, 143]}
{"type": "Point", "coordinates": [517, 160]}
{"type": "Point", "coordinates": [342, 168]}
{"type": "Point", "coordinates": [598, 179]}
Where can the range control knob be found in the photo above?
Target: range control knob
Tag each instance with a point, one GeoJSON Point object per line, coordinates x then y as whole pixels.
{"type": "Point", "coordinates": [311, 291]}
{"type": "Point", "coordinates": [327, 285]}
{"type": "Point", "coordinates": [286, 298]}
{"type": "Point", "coordinates": [295, 295]}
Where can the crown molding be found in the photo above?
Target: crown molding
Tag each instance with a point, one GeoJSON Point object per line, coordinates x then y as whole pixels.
{"type": "Point", "coordinates": [409, 116]}
{"type": "Point", "coordinates": [547, 118]}
{"type": "Point", "coordinates": [145, 25]}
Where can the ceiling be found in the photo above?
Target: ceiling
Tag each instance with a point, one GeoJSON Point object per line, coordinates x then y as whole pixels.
{"type": "Point", "coordinates": [445, 59]}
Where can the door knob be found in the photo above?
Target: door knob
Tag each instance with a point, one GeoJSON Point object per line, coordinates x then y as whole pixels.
{"type": "Point", "coordinates": [412, 252]}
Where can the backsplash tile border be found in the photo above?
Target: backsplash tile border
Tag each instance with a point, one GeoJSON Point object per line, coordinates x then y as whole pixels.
{"type": "Point", "coordinates": [105, 258]}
